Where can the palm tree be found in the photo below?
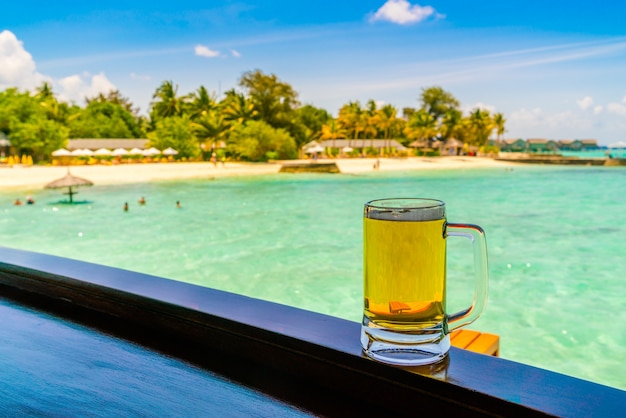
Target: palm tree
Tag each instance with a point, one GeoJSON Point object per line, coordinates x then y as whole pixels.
{"type": "Point", "coordinates": [201, 103]}
{"type": "Point", "coordinates": [237, 109]}
{"type": "Point", "coordinates": [166, 101]}
{"type": "Point", "coordinates": [387, 121]}
{"type": "Point", "coordinates": [422, 125]}
{"type": "Point", "coordinates": [371, 121]}
{"type": "Point", "coordinates": [332, 130]}
{"type": "Point", "coordinates": [480, 126]}
{"type": "Point", "coordinates": [449, 123]}
{"type": "Point", "coordinates": [209, 128]}
{"type": "Point", "coordinates": [44, 92]}
{"type": "Point", "coordinates": [351, 119]}
{"type": "Point", "coordinates": [498, 122]}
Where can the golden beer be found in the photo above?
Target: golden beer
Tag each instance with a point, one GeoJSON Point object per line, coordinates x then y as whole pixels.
{"type": "Point", "coordinates": [405, 270]}
{"type": "Point", "coordinates": [404, 315]}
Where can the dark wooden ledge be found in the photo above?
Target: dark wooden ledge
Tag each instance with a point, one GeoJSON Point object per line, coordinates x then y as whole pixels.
{"type": "Point", "coordinates": [310, 360]}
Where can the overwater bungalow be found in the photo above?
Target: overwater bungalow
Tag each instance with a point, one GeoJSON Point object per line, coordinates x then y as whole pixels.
{"type": "Point", "coordinates": [577, 144]}
{"type": "Point", "coordinates": [541, 146]}
{"type": "Point", "coordinates": [512, 145]}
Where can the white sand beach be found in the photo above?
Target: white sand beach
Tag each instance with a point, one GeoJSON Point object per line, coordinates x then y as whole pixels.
{"type": "Point", "coordinates": [39, 176]}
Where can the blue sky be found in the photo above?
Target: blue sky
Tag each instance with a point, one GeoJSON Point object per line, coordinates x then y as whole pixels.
{"type": "Point", "coordinates": [556, 69]}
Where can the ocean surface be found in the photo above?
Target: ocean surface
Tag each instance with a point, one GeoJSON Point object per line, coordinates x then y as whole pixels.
{"type": "Point", "coordinates": [556, 238]}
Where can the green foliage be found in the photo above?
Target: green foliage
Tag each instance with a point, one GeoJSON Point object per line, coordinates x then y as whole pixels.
{"type": "Point", "coordinates": [254, 140]}
{"type": "Point", "coordinates": [274, 100]}
{"type": "Point", "coordinates": [264, 120]}
{"type": "Point", "coordinates": [436, 101]}
{"type": "Point", "coordinates": [29, 125]}
{"type": "Point", "coordinates": [101, 119]}
{"type": "Point", "coordinates": [176, 132]}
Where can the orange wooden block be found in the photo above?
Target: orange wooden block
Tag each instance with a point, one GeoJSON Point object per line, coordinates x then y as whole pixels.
{"type": "Point", "coordinates": [475, 341]}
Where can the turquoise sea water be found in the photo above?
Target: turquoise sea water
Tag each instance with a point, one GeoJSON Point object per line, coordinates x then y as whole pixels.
{"type": "Point", "coordinates": [556, 239]}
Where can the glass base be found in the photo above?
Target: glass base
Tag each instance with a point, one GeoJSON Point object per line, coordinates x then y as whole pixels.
{"type": "Point", "coordinates": [426, 346]}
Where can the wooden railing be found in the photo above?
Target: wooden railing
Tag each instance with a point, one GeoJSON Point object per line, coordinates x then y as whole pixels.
{"type": "Point", "coordinates": [307, 359]}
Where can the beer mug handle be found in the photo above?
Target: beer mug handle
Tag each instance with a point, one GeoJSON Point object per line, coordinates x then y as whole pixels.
{"type": "Point", "coordinates": [477, 236]}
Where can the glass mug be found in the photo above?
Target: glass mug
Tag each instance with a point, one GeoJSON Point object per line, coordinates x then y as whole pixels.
{"type": "Point", "coordinates": [404, 316]}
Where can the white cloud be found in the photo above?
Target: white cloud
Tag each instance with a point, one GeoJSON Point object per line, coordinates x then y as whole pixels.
{"type": "Point", "coordinates": [17, 67]}
{"type": "Point", "coordinates": [76, 88]}
{"type": "Point", "coordinates": [585, 103]}
{"type": "Point", "coordinates": [403, 12]}
{"type": "Point", "coordinates": [617, 108]}
{"type": "Point", "coordinates": [203, 51]}
{"type": "Point", "coordinates": [235, 54]}
{"type": "Point", "coordinates": [597, 109]}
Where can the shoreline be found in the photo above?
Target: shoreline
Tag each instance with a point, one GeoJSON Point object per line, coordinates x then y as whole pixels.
{"type": "Point", "coordinates": [36, 177]}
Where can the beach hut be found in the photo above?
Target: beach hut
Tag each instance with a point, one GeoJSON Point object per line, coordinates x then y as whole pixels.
{"type": "Point", "coordinates": [70, 182]}
{"type": "Point", "coordinates": [452, 147]}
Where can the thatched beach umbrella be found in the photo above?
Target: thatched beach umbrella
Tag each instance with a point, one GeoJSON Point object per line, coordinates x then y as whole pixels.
{"type": "Point", "coordinates": [69, 181]}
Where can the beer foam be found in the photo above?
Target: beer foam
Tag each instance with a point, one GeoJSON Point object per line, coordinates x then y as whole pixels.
{"type": "Point", "coordinates": [405, 210]}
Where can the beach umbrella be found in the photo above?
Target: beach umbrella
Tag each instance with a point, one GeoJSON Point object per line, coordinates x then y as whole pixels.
{"type": "Point", "coordinates": [135, 151]}
{"type": "Point", "coordinates": [170, 151]}
{"type": "Point", "coordinates": [151, 151]}
{"type": "Point", "coordinates": [347, 149]}
{"type": "Point", "coordinates": [119, 152]}
{"type": "Point", "coordinates": [82, 152]}
{"type": "Point", "coordinates": [314, 149]}
{"type": "Point", "coordinates": [61, 153]}
{"type": "Point", "coordinates": [103, 152]}
{"type": "Point", "coordinates": [70, 182]}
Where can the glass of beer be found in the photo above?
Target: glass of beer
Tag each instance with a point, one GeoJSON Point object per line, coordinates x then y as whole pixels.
{"type": "Point", "coordinates": [404, 317]}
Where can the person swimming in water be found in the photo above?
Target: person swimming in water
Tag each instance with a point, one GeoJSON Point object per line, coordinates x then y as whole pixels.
{"type": "Point", "coordinates": [142, 201]}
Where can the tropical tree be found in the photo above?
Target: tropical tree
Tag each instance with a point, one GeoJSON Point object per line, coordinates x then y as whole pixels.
{"type": "Point", "coordinates": [209, 129]}
{"type": "Point", "coordinates": [176, 132]}
{"type": "Point", "coordinates": [422, 126]}
{"type": "Point", "coordinates": [258, 141]}
{"type": "Point", "coordinates": [27, 125]}
{"type": "Point", "coordinates": [479, 126]}
{"type": "Point", "coordinates": [104, 119]}
{"type": "Point", "coordinates": [387, 122]}
{"type": "Point", "coordinates": [450, 124]}
{"type": "Point", "coordinates": [370, 127]}
{"type": "Point", "coordinates": [237, 109]}
{"type": "Point", "coordinates": [310, 120]}
{"type": "Point", "coordinates": [116, 98]}
{"type": "Point", "coordinates": [166, 102]}
{"type": "Point", "coordinates": [498, 123]}
{"type": "Point", "coordinates": [352, 119]}
{"type": "Point", "coordinates": [274, 100]}
{"type": "Point", "coordinates": [436, 102]}
{"type": "Point", "coordinates": [201, 103]}
{"type": "Point", "coordinates": [332, 130]}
